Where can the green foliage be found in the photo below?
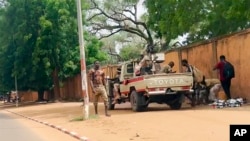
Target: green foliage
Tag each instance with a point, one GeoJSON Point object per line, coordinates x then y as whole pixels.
{"type": "Point", "coordinates": [201, 19]}
{"type": "Point", "coordinates": [130, 52]}
{"type": "Point", "coordinates": [81, 118]}
{"type": "Point", "coordinates": [93, 47]}
{"type": "Point", "coordinates": [110, 17]}
{"type": "Point", "coordinates": [226, 17]}
{"type": "Point", "coordinates": [40, 38]}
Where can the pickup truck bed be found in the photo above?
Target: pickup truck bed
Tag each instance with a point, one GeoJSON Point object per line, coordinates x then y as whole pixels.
{"type": "Point", "coordinates": [158, 84]}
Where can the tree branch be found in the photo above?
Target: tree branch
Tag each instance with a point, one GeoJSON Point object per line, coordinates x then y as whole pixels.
{"type": "Point", "coordinates": [105, 36]}
{"type": "Point", "coordinates": [118, 20]}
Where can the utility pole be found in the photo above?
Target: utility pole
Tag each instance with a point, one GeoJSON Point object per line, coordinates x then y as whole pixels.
{"type": "Point", "coordinates": [83, 62]}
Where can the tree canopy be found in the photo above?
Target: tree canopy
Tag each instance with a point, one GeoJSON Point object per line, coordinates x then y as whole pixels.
{"type": "Point", "coordinates": [39, 38]}
{"type": "Point", "coordinates": [168, 19]}
{"type": "Point", "coordinates": [199, 19]}
{"type": "Point", "coordinates": [109, 17]}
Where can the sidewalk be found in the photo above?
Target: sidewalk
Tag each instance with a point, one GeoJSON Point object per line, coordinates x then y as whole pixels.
{"type": "Point", "coordinates": [67, 117]}
{"type": "Point", "coordinates": [12, 104]}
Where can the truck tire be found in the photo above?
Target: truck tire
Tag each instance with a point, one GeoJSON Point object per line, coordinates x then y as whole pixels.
{"type": "Point", "coordinates": [138, 102]}
{"type": "Point", "coordinates": [175, 105]}
{"type": "Point", "coordinates": [110, 95]}
{"type": "Point", "coordinates": [110, 105]}
{"type": "Point", "coordinates": [177, 102]}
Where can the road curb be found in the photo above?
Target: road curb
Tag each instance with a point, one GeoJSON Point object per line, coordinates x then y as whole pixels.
{"type": "Point", "coordinates": [71, 133]}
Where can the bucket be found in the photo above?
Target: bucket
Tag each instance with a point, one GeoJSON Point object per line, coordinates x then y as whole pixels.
{"type": "Point", "coordinates": [222, 96]}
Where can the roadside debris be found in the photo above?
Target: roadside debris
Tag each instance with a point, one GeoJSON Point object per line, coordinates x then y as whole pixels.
{"type": "Point", "coordinates": [237, 102]}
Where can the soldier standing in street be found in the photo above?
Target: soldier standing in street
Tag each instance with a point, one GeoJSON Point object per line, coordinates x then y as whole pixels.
{"type": "Point", "coordinates": [98, 85]}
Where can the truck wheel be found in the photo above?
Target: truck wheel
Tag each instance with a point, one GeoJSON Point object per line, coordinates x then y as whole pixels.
{"type": "Point", "coordinates": [138, 102]}
{"type": "Point", "coordinates": [175, 106]}
{"type": "Point", "coordinates": [111, 106]}
{"type": "Point", "coordinates": [177, 102]}
{"type": "Point", "coordinates": [110, 95]}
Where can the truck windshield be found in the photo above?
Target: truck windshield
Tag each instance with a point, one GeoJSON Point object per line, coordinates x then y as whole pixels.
{"type": "Point", "coordinates": [130, 68]}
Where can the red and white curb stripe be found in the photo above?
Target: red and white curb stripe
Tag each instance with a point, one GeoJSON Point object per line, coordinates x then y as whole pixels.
{"type": "Point", "coordinates": [73, 134]}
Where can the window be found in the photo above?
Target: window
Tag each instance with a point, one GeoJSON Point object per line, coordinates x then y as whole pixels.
{"type": "Point", "coordinates": [130, 68]}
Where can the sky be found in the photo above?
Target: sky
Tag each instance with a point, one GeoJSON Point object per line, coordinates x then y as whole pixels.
{"type": "Point", "coordinates": [141, 8]}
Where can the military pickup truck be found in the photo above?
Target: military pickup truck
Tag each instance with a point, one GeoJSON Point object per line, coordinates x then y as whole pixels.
{"type": "Point", "coordinates": [142, 90]}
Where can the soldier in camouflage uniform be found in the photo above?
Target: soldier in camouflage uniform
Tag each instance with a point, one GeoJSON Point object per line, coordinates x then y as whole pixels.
{"type": "Point", "coordinates": [169, 67]}
{"type": "Point", "coordinates": [97, 82]}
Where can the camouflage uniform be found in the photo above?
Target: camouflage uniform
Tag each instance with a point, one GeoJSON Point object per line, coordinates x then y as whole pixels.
{"type": "Point", "coordinates": [100, 91]}
{"type": "Point", "coordinates": [167, 69]}
{"type": "Point", "coordinates": [97, 78]}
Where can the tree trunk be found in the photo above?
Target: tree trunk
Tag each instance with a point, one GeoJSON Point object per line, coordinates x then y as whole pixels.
{"type": "Point", "coordinates": [8, 97]}
{"type": "Point", "coordinates": [40, 95]}
{"type": "Point", "coordinates": [56, 92]}
{"type": "Point", "coordinates": [51, 95]}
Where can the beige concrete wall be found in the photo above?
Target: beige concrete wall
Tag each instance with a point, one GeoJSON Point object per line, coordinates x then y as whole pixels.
{"type": "Point", "coordinates": [236, 48]}
{"type": "Point", "coordinates": [172, 56]}
{"type": "Point", "coordinates": [27, 96]}
{"type": "Point", "coordinates": [71, 88]}
{"type": "Point", "coordinates": [206, 54]}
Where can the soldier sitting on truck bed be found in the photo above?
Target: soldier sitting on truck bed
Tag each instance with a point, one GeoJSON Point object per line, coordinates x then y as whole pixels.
{"type": "Point", "coordinates": [158, 68]}
{"type": "Point", "coordinates": [144, 66]}
{"type": "Point", "coordinates": [169, 67]}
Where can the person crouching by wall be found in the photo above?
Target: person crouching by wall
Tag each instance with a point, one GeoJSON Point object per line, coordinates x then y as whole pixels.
{"type": "Point", "coordinates": [213, 92]}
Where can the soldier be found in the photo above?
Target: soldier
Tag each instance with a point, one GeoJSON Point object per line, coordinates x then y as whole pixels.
{"type": "Point", "coordinates": [144, 66]}
{"type": "Point", "coordinates": [213, 92]}
{"type": "Point", "coordinates": [199, 82]}
{"type": "Point", "coordinates": [169, 67]}
{"type": "Point", "coordinates": [97, 82]}
{"type": "Point", "coordinates": [116, 86]}
{"type": "Point", "coordinates": [188, 68]}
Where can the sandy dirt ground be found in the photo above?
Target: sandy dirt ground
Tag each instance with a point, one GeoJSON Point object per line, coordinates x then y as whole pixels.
{"type": "Point", "coordinates": [158, 123]}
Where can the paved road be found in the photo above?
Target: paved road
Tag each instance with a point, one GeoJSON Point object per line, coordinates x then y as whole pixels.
{"type": "Point", "coordinates": [15, 128]}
